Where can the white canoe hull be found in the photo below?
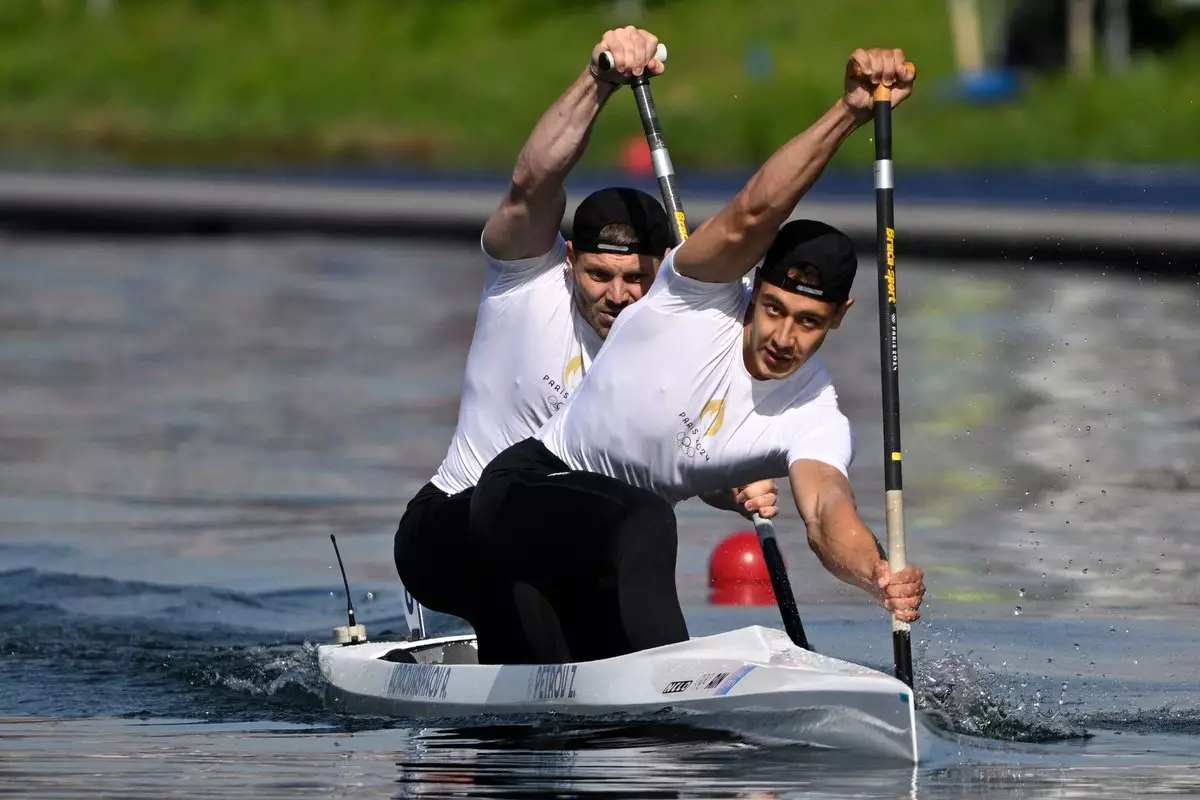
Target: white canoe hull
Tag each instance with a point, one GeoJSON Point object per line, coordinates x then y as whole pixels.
{"type": "Point", "coordinates": [825, 702]}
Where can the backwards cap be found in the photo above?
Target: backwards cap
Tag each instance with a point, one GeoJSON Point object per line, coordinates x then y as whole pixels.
{"type": "Point", "coordinates": [631, 207]}
{"type": "Point", "coordinates": [813, 259]}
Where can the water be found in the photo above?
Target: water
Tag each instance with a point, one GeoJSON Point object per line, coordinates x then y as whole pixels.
{"type": "Point", "coordinates": [185, 422]}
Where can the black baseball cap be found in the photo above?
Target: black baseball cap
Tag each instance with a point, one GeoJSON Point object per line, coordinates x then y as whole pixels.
{"type": "Point", "coordinates": [813, 259]}
{"type": "Point", "coordinates": [632, 207]}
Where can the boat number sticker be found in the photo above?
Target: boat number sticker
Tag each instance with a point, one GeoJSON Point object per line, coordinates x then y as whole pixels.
{"type": "Point", "coordinates": [553, 681]}
{"type": "Point", "coordinates": [706, 682]}
{"type": "Point", "coordinates": [418, 680]}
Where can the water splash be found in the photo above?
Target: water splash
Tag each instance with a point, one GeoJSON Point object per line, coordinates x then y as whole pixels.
{"type": "Point", "coordinates": [285, 675]}
{"type": "Point", "coordinates": [962, 696]}
{"type": "Point", "coordinates": [77, 645]}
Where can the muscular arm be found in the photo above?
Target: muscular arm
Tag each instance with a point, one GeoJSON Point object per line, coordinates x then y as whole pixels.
{"type": "Point", "coordinates": [733, 241]}
{"type": "Point", "coordinates": [728, 244]}
{"type": "Point", "coordinates": [528, 218]}
{"type": "Point", "coordinates": [836, 533]}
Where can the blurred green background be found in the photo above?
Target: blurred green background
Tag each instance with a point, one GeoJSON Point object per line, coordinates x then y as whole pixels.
{"type": "Point", "coordinates": [459, 83]}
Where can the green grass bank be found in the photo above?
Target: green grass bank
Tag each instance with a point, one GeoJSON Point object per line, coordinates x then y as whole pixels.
{"type": "Point", "coordinates": [449, 83]}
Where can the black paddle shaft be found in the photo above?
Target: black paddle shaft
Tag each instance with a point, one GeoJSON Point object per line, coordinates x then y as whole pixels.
{"type": "Point", "coordinates": [664, 170]}
{"type": "Point", "coordinates": [889, 356]}
{"type": "Point", "coordinates": [889, 345]}
{"type": "Point", "coordinates": [792, 623]}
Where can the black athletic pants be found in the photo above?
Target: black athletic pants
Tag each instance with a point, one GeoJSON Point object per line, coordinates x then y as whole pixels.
{"type": "Point", "coordinates": [601, 551]}
{"type": "Point", "coordinates": [438, 565]}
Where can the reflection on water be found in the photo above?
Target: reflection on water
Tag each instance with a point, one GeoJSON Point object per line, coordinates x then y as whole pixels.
{"type": "Point", "coordinates": [168, 759]}
{"type": "Point", "coordinates": [207, 412]}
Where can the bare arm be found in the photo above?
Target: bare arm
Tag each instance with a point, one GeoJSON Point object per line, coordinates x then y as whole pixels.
{"type": "Point", "coordinates": [836, 533]}
{"type": "Point", "coordinates": [728, 244]}
{"type": "Point", "coordinates": [528, 218]}
{"type": "Point", "coordinates": [844, 543]}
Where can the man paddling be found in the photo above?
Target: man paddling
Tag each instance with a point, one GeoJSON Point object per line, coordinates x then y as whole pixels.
{"type": "Point", "coordinates": [706, 382]}
{"type": "Point", "coordinates": [546, 308]}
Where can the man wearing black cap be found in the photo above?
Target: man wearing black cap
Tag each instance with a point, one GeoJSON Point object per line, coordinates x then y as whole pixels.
{"type": "Point", "coordinates": [709, 381]}
{"type": "Point", "coordinates": [546, 308]}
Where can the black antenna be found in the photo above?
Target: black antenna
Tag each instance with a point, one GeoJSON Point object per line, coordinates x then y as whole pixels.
{"type": "Point", "coordinates": [349, 603]}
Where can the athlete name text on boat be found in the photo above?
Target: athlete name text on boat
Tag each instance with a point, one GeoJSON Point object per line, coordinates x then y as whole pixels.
{"type": "Point", "coordinates": [418, 680]}
{"type": "Point", "coordinates": [552, 681]}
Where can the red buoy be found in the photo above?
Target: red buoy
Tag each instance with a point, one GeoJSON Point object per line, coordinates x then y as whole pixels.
{"type": "Point", "coordinates": [635, 157]}
{"type": "Point", "coordinates": [737, 572]}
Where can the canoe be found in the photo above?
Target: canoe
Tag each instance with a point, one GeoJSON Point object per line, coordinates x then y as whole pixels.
{"type": "Point", "coordinates": [724, 680]}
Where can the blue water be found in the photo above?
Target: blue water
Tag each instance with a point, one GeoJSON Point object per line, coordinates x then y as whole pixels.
{"type": "Point", "coordinates": [186, 422]}
{"type": "Point", "coordinates": [161, 677]}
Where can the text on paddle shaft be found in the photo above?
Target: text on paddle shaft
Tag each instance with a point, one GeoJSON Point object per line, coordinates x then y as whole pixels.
{"type": "Point", "coordinates": [891, 284]}
{"type": "Point", "coordinates": [891, 264]}
{"type": "Point", "coordinates": [553, 681]}
{"type": "Point", "coordinates": [418, 680]}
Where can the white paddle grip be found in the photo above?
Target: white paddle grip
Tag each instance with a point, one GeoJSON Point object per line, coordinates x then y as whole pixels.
{"type": "Point", "coordinates": [605, 61]}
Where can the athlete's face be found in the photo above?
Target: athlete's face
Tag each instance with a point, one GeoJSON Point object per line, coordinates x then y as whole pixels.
{"type": "Point", "coordinates": [783, 329]}
{"type": "Point", "coordinates": [607, 283]}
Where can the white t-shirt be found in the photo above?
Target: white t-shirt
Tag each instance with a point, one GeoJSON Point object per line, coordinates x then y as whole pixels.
{"type": "Point", "coordinates": [529, 352]}
{"type": "Point", "coordinates": [669, 406]}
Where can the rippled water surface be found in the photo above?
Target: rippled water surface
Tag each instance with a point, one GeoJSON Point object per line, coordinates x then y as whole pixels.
{"type": "Point", "coordinates": [185, 422]}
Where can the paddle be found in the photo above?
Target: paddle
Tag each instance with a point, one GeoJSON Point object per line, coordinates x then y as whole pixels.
{"type": "Point", "coordinates": [889, 359]}
{"type": "Point", "coordinates": [665, 172]}
{"type": "Point", "coordinates": [779, 582]}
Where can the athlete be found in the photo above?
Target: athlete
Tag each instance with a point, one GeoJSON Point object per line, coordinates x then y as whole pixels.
{"type": "Point", "coordinates": [547, 306]}
{"type": "Point", "coordinates": [708, 381]}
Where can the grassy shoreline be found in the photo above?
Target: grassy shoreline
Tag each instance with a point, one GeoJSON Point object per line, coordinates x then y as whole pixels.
{"type": "Point", "coordinates": [461, 82]}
